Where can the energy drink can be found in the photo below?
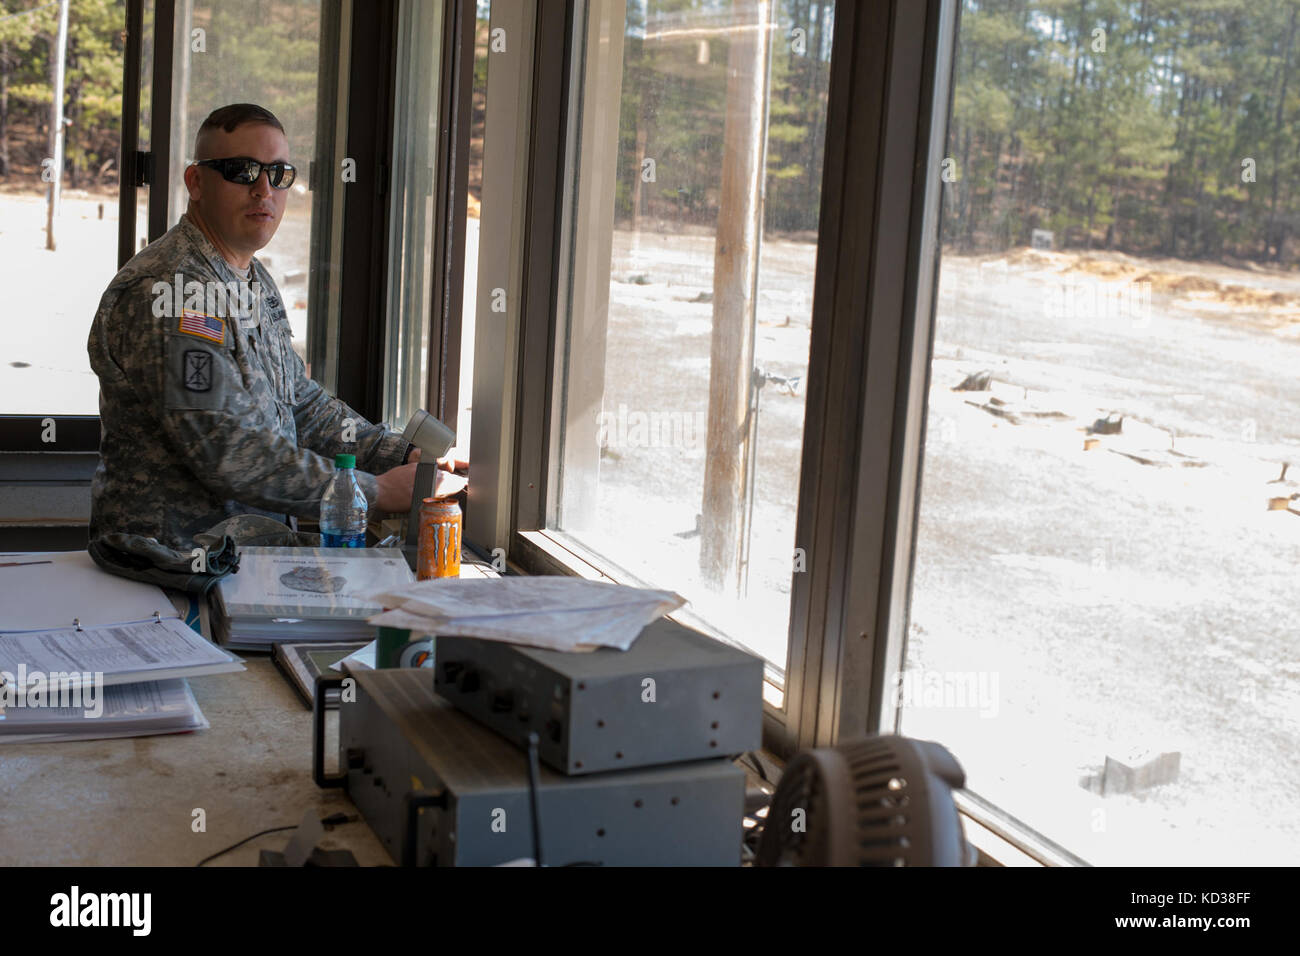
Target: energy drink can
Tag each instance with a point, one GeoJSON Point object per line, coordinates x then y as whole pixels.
{"type": "Point", "coordinates": [440, 527]}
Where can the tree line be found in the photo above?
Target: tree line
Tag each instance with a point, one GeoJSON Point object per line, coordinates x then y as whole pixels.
{"type": "Point", "coordinates": [673, 102]}
{"type": "Point", "coordinates": [92, 87]}
{"type": "Point", "coordinates": [673, 110]}
{"type": "Point", "coordinates": [1163, 127]}
{"type": "Point", "coordinates": [226, 60]}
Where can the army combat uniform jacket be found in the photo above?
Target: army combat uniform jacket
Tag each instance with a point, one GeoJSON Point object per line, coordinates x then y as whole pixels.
{"type": "Point", "coordinates": [206, 411]}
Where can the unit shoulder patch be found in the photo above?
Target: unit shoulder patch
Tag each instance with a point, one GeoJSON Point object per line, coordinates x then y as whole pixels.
{"type": "Point", "coordinates": [198, 374]}
{"type": "Point", "coordinates": [197, 370]}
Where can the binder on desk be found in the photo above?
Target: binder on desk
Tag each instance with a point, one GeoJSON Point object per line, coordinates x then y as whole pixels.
{"type": "Point", "coordinates": [42, 591]}
{"type": "Point", "coordinates": [60, 614]}
{"type": "Point", "coordinates": [311, 595]}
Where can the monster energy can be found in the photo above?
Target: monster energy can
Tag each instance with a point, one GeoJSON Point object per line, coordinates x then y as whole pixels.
{"type": "Point", "coordinates": [440, 527]}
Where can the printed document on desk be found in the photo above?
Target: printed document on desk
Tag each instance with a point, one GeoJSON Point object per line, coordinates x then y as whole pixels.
{"type": "Point", "coordinates": [550, 611]}
{"type": "Point", "coordinates": [120, 654]}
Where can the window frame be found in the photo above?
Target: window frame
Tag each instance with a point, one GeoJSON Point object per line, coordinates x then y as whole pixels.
{"type": "Point", "coordinates": [885, 109]}
{"type": "Point", "coordinates": [517, 82]}
{"type": "Point", "coordinates": [371, 35]}
{"type": "Point", "coordinates": [80, 433]}
{"type": "Point", "coordinates": [888, 107]}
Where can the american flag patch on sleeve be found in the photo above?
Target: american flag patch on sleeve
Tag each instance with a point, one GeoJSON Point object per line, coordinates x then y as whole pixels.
{"type": "Point", "coordinates": [210, 327]}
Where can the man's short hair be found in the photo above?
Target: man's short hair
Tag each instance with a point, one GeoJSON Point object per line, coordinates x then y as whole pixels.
{"type": "Point", "coordinates": [230, 118]}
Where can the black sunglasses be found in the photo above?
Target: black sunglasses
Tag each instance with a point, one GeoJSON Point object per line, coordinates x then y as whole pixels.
{"type": "Point", "coordinates": [245, 171]}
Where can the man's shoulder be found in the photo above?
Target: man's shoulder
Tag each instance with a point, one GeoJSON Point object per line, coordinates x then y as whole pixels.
{"type": "Point", "coordinates": [173, 253]}
{"type": "Point", "coordinates": [159, 269]}
{"type": "Point", "coordinates": [127, 294]}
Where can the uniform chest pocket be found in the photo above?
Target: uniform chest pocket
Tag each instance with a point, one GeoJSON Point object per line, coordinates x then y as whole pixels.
{"type": "Point", "coordinates": [280, 365]}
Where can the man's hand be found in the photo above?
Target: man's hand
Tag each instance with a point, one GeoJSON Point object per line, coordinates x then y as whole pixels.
{"type": "Point", "coordinates": [454, 460]}
{"type": "Point", "coordinates": [397, 486]}
{"type": "Point", "coordinates": [449, 484]}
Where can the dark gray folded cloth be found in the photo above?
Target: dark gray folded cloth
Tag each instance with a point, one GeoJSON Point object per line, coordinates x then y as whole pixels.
{"type": "Point", "coordinates": [145, 559]}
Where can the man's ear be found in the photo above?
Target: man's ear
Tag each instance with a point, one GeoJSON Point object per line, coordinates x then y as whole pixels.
{"type": "Point", "coordinates": [192, 182]}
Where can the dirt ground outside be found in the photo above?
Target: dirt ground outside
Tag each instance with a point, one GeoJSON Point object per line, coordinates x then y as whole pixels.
{"type": "Point", "coordinates": [1133, 598]}
{"type": "Point", "coordinates": [52, 296]}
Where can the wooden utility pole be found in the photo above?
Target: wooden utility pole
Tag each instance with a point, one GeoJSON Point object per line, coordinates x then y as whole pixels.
{"type": "Point", "coordinates": [4, 108]}
{"type": "Point", "coordinates": [735, 275]}
{"type": "Point", "coordinates": [57, 135]}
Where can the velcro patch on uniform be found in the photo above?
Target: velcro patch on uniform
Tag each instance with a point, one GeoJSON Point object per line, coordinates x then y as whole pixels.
{"type": "Point", "coordinates": [204, 326]}
{"type": "Point", "coordinates": [197, 371]}
{"type": "Point", "coordinates": [198, 376]}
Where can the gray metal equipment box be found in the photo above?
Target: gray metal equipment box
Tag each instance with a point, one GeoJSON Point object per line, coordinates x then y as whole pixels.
{"type": "Point", "coordinates": [440, 789]}
{"type": "Point", "coordinates": [673, 695]}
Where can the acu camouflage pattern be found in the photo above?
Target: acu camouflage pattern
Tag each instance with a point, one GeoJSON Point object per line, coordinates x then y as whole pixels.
{"type": "Point", "coordinates": [249, 434]}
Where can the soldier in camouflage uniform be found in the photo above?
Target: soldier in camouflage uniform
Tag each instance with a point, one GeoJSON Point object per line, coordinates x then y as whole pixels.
{"type": "Point", "coordinates": [206, 410]}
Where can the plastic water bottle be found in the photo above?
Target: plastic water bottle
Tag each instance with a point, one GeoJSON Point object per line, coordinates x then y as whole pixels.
{"type": "Point", "coordinates": [343, 507]}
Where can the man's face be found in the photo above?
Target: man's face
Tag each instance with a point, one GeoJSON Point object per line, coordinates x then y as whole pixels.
{"type": "Point", "coordinates": [243, 217]}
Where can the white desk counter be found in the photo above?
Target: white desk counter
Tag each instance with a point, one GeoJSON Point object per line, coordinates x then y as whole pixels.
{"type": "Point", "coordinates": [131, 801]}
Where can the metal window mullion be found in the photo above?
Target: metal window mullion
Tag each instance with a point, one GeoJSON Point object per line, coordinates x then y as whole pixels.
{"type": "Point", "coordinates": [560, 224]}
{"type": "Point", "coordinates": [369, 137]}
{"type": "Point", "coordinates": [879, 559]}
{"type": "Point", "coordinates": [543, 262]}
{"type": "Point", "coordinates": [126, 167]}
{"type": "Point", "coordinates": [325, 241]}
{"type": "Point", "coordinates": [862, 441]}
{"type": "Point", "coordinates": [834, 364]}
{"type": "Point", "coordinates": [508, 129]}
{"type": "Point", "coordinates": [160, 116]}
{"type": "Point", "coordinates": [933, 46]}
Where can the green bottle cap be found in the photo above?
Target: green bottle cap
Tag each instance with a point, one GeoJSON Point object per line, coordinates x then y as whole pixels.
{"type": "Point", "coordinates": [345, 461]}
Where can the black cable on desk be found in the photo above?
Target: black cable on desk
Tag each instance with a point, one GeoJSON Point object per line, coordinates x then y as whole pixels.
{"type": "Point", "coordinates": [235, 846]}
{"type": "Point", "coordinates": [331, 820]}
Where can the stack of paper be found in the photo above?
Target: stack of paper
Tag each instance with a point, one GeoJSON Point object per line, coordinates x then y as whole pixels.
{"type": "Point", "coordinates": [560, 613]}
{"type": "Point", "coordinates": [85, 654]}
{"type": "Point", "coordinates": [124, 710]}
{"type": "Point", "coordinates": [304, 594]}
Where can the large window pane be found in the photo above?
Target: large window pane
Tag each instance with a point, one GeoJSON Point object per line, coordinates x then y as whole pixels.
{"type": "Point", "coordinates": [1103, 610]}
{"type": "Point", "coordinates": [695, 194]}
{"type": "Point", "coordinates": [411, 225]}
{"type": "Point", "coordinates": [56, 264]}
